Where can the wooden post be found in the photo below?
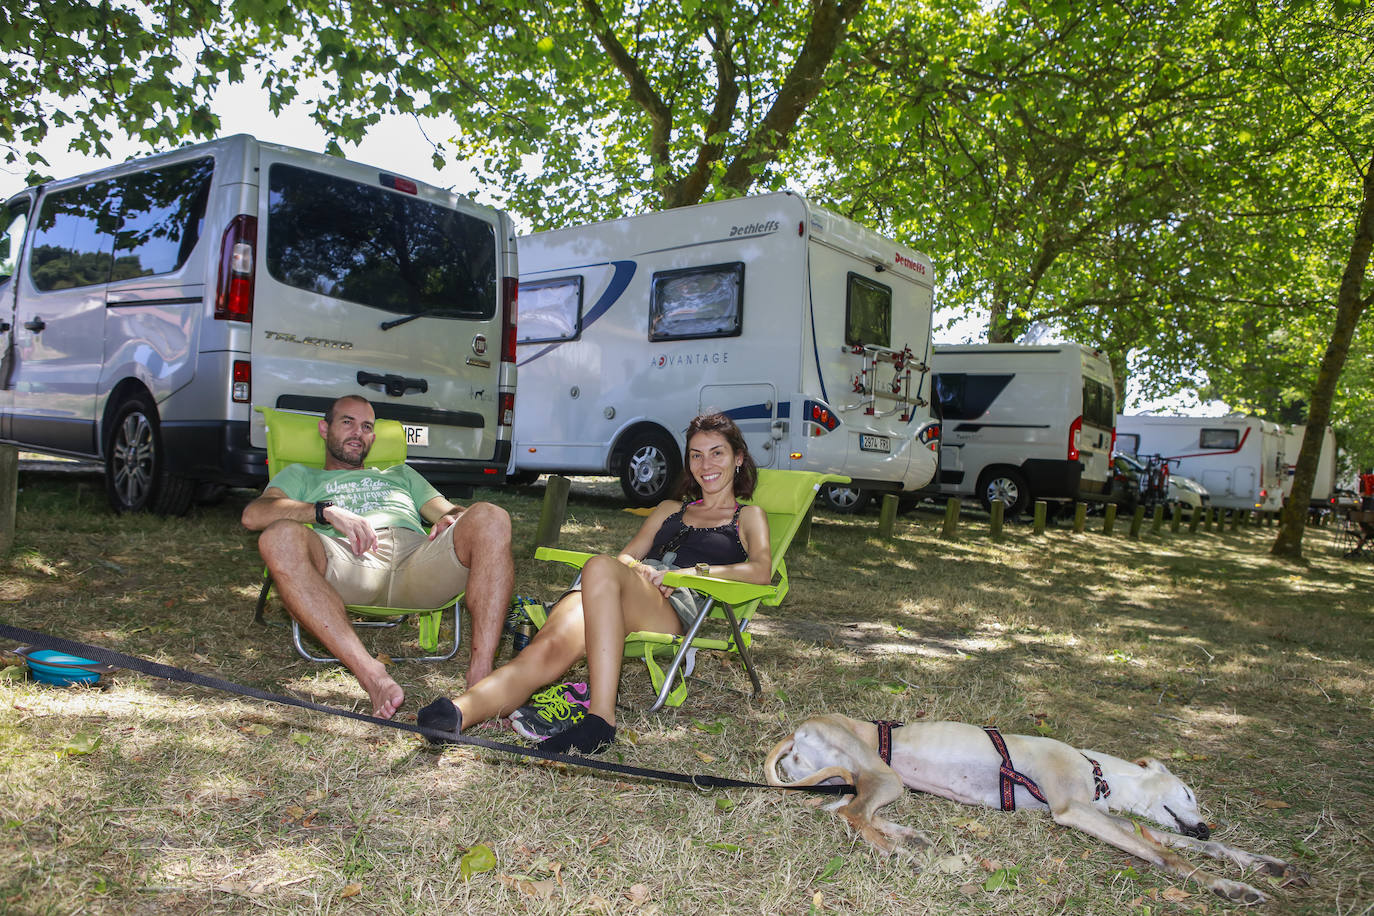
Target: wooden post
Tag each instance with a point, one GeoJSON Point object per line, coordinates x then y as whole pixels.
{"type": "Point", "coordinates": [1158, 521]}
{"type": "Point", "coordinates": [951, 518]}
{"type": "Point", "coordinates": [1194, 519]}
{"type": "Point", "coordinates": [997, 510]}
{"type": "Point", "coordinates": [555, 510]}
{"type": "Point", "coordinates": [1080, 517]}
{"type": "Point", "coordinates": [9, 491]}
{"type": "Point", "coordinates": [1137, 519]}
{"type": "Point", "coordinates": [1109, 519]}
{"type": "Point", "coordinates": [888, 516]}
{"type": "Point", "coordinates": [1042, 510]}
{"type": "Point", "coordinates": [1176, 519]}
{"type": "Point", "coordinates": [1207, 519]}
{"type": "Point", "coordinates": [802, 539]}
{"type": "Point", "coordinates": [1235, 518]}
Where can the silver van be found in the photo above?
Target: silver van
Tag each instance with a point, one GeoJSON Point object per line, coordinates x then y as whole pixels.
{"type": "Point", "coordinates": [145, 308]}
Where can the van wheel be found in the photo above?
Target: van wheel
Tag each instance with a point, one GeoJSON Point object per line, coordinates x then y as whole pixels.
{"type": "Point", "coordinates": [135, 479]}
{"type": "Point", "coordinates": [846, 499]}
{"type": "Point", "coordinates": [651, 465]}
{"type": "Point", "coordinates": [1009, 487]}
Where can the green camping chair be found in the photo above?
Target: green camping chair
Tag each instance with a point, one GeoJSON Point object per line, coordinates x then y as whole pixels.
{"type": "Point", "coordinates": [787, 497]}
{"type": "Point", "coordinates": [294, 438]}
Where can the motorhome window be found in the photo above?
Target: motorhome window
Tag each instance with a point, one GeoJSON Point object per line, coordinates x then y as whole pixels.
{"type": "Point", "coordinates": [16, 220]}
{"type": "Point", "coordinates": [962, 396]}
{"type": "Point", "coordinates": [867, 313]}
{"type": "Point", "coordinates": [74, 237]}
{"type": "Point", "coordinates": [1099, 404]}
{"type": "Point", "coordinates": [550, 310]}
{"type": "Point", "coordinates": [1128, 443]}
{"type": "Point", "coordinates": [1219, 438]}
{"type": "Point", "coordinates": [377, 247]}
{"type": "Point", "coordinates": [697, 302]}
{"type": "Point", "coordinates": [161, 215]}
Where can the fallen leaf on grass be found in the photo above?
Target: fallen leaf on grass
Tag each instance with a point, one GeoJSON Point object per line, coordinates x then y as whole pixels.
{"type": "Point", "coordinates": [83, 743]}
{"type": "Point", "coordinates": [257, 728]}
{"type": "Point", "coordinates": [476, 860]}
{"type": "Point", "coordinates": [300, 738]}
{"type": "Point", "coordinates": [968, 890]}
{"type": "Point", "coordinates": [1274, 803]}
{"type": "Point", "coordinates": [543, 890]}
{"type": "Point", "coordinates": [638, 894]}
{"type": "Point", "coordinates": [1002, 877]}
{"type": "Point", "coordinates": [972, 825]}
{"type": "Point", "coordinates": [704, 757]}
{"type": "Point", "coordinates": [830, 868]}
{"type": "Point", "coordinates": [12, 673]}
{"type": "Point", "coordinates": [1175, 894]}
{"type": "Point", "coordinates": [295, 812]}
{"type": "Point", "coordinates": [724, 804]}
{"type": "Point", "coordinates": [351, 890]}
{"type": "Point", "coordinates": [950, 864]}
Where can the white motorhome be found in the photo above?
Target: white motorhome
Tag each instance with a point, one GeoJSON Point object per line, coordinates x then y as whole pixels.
{"type": "Point", "coordinates": [146, 307]}
{"type": "Point", "coordinates": [1239, 460]}
{"type": "Point", "coordinates": [808, 329]}
{"type": "Point", "coordinates": [1325, 482]}
{"type": "Point", "coordinates": [1022, 423]}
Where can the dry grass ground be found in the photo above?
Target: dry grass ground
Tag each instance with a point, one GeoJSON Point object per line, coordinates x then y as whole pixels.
{"type": "Point", "coordinates": [1251, 678]}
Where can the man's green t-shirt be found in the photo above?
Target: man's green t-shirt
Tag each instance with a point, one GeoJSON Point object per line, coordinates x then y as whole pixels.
{"type": "Point", "coordinates": [386, 497]}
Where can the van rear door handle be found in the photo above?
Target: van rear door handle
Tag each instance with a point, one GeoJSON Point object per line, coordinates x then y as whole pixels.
{"type": "Point", "coordinates": [36, 325]}
{"type": "Point", "coordinates": [394, 385]}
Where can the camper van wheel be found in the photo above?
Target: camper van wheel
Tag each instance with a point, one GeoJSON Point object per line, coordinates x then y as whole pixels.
{"type": "Point", "coordinates": [651, 466]}
{"type": "Point", "coordinates": [135, 479]}
{"type": "Point", "coordinates": [841, 498]}
{"type": "Point", "coordinates": [1006, 485]}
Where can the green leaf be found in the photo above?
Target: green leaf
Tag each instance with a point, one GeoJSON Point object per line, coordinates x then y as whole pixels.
{"type": "Point", "coordinates": [711, 728]}
{"type": "Point", "coordinates": [476, 860]}
{"type": "Point", "coordinates": [724, 804]}
{"type": "Point", "coordinates": [81, 743]}
{"type": "Point", "coordinates": [830, 868]}
{"type": "Point", "coordinates": [12, 673]}
{"type": "Point", "coordinates": [1003, 877]}
{"type": "Point", "coordinates": [300, 738]}
{"type": "Point", "coordinates": [724, 847]}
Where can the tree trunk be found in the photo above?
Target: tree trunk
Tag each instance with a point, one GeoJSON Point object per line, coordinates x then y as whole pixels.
{"type": "Point", "coordinates": [1349, 308]}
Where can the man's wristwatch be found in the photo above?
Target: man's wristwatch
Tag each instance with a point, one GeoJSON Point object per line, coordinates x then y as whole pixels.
{"type": "Point", "coordinates": [703, 569]}
{"type": "Point", "coordinates": [319, 511]}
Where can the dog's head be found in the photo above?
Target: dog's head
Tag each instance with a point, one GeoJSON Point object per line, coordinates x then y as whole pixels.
{"type": "Point", "coordinates": [1166, 799]}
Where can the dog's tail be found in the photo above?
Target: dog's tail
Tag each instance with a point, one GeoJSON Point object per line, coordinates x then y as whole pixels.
{"type": "Point", "coordinates": [770, 768]}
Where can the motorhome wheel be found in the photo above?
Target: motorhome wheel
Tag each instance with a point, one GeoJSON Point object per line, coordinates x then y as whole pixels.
{"type": "Point", "coordinates": [135, 479]}
{"type": "Point", "coordinates": [651, 466]}
{"type": "Point", "coordinates": [1009, 487]}
{"type": "Point", "coordinates": [844, 499]}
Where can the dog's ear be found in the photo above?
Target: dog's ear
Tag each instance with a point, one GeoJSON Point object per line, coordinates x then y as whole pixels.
{"type": "Point", "coordinates": [1151, 763]}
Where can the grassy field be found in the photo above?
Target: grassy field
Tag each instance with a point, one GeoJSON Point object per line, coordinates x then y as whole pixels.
{"type": "Point", "coordinates": [1249, 677]}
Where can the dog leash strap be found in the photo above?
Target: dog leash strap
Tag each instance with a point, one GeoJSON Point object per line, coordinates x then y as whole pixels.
{"type": "Point", "coordinates": [885, 727]}
{"type": "Point", "coordinates": [1010, 777]}
{"type": "Point", "coordinates": [171, 673]}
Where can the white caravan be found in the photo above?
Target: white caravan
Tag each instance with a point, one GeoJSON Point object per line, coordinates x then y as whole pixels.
{"type": "Point", "coordinates": [1325, 482]}
{"type": "Point", "coordinates": [808, 329]}
{"type": "Point", "coordinates": [1022, 423]}
{"type": "Point", "coordinates": [145, 308]}
{"type": "Point", "coordinates": [1238, 459]}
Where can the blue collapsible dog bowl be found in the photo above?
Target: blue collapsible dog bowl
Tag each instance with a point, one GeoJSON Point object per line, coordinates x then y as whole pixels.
{"type": "Point", "coordinates": [51, 667]}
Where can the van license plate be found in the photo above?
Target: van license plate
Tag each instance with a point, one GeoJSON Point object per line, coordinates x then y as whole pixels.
{"type": "Point", "coordinates": [416, 435]}
{"type": "Point", "coordinates": [875, 443]}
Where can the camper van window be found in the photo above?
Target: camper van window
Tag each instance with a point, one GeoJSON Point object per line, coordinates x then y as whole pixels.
{"type": "Point", "coordinates": [964, 396]}
{"type": "Point", "coordinates": [137, 225]}
{"type": "Point", "coordinates": [377, 247]}
{"type": "Point", "coordinates": [74, 237]}
{"type": "Point", "coordinates": [1219, 438]}
{"type": "Point", "coordinates": [550, 310]}
{"type": "Point", "coordinates": [867, 313]}
{"type": "Point", "coordinates": [697, 302]}
{"type": "Point", "coordinates": [16, 219]}
{"type": "Point", "coordinates": [1099, 404]}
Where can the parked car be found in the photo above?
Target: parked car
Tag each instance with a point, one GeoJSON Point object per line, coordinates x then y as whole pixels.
{"type": "Point", "coordinates": [1342, 499]}
{"type": "Point", "coordinates": [1148, 481]}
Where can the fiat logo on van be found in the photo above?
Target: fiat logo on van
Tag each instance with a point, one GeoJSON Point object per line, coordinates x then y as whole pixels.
{"type": "Point", "coordinates": [479, 344]}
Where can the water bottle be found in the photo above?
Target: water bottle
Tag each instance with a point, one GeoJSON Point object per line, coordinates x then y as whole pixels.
{"type": "Point", "coordinates": [519, 626]}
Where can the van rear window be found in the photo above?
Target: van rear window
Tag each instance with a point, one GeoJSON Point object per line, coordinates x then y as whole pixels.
{"type": "Point", "coordinates": [377, 247]}
{"type": "Point", "coordinates": [867, 313]}
{"type": "Point", "coordinates": [1099, 404]}
{"type": "Point", "coordinates": [966, 396]}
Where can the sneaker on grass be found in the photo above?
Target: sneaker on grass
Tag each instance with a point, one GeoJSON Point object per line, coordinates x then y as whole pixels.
{"type": "Point", "coordinates": [551, 710]}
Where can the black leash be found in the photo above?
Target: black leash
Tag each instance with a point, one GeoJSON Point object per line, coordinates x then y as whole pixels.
{"type": "Point", "coordinates": [168, 672]}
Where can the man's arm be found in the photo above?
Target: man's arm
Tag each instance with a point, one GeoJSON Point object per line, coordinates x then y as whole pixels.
{"type": "Point", "coordinates": [440, 513]}
{"type": "Point", "coordinates": [274, 505]}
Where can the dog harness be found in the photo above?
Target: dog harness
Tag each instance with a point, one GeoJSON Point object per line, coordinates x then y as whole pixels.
{"type": "Point", "coordinates": [885, 727]}
{"type": "Point", "coordinates": [1100, 787]}
{"type": "Point", "coordinates": [1010, 778]}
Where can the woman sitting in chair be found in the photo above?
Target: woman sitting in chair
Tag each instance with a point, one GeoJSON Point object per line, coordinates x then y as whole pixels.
{"type": "Point", "coordinates": [708, 532]}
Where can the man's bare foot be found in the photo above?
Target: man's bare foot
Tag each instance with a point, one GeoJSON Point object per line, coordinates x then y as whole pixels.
{"type": "Point", "coordinates": [386, 695]}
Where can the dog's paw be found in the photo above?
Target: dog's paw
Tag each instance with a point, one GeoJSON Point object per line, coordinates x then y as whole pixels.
{"type": "Point", "coordinates": [1237, 892]}
{"type": "Point", "coordinates": [1289, 875]}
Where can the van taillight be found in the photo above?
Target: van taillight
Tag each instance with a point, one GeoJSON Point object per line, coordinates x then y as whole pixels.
{"type": "Point", "coordinates": [238, 257]}
{"type": "Point", "coordinates": [930, 437]}
{"type": "Point", "coordinates": [1074, 429]}
{"type": "Point", "coordinates": [506, 409]}
{"type": "Point", "coordinates": [243, 381]}
{"type": "Point", "coordinates": [1113, 451]}
{"type": "Point", "coordinates": [510, 293]}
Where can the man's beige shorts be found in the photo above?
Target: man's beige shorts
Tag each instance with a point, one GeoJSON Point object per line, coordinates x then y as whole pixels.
{"type": "Point", "coordinates": [407, 570]}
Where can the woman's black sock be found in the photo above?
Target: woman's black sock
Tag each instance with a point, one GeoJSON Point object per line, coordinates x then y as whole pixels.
{"type": "Point", "coordinates": [440, 716]}
{"type": "Point", "coordinates": [590, 736]}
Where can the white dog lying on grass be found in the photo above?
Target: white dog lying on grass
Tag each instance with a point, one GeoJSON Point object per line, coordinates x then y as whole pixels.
{"type": "Point", "coordinates": [977, 766]}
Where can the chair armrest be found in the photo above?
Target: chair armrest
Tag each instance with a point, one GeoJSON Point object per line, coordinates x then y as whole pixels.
{"type": "Point", "coordinates": [574, 558]}
{"type": "Point", "coordinates": [728, 590]}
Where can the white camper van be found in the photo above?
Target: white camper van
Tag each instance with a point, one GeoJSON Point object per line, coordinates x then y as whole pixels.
{"type": "Point", "coordinates": [145, 308]}
{"type": "Point", "coordinates": [811, 331]}
{"type": "Point", "coordinates": [1239, 460]}
{"type": "Point", "coordinates": [1022, 423]}
{"type": "Point", "coordinates": [1325, 483]}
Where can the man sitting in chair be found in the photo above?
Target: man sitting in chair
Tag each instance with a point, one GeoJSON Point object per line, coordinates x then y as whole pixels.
{"type": "Point", "coordinates": [369, 548]}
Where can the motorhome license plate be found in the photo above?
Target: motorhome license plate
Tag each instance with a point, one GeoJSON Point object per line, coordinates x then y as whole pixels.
{"type": "Point", "coordinates": [416, 435]}
{"type": "Point", "coordinates": [875, 443]}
